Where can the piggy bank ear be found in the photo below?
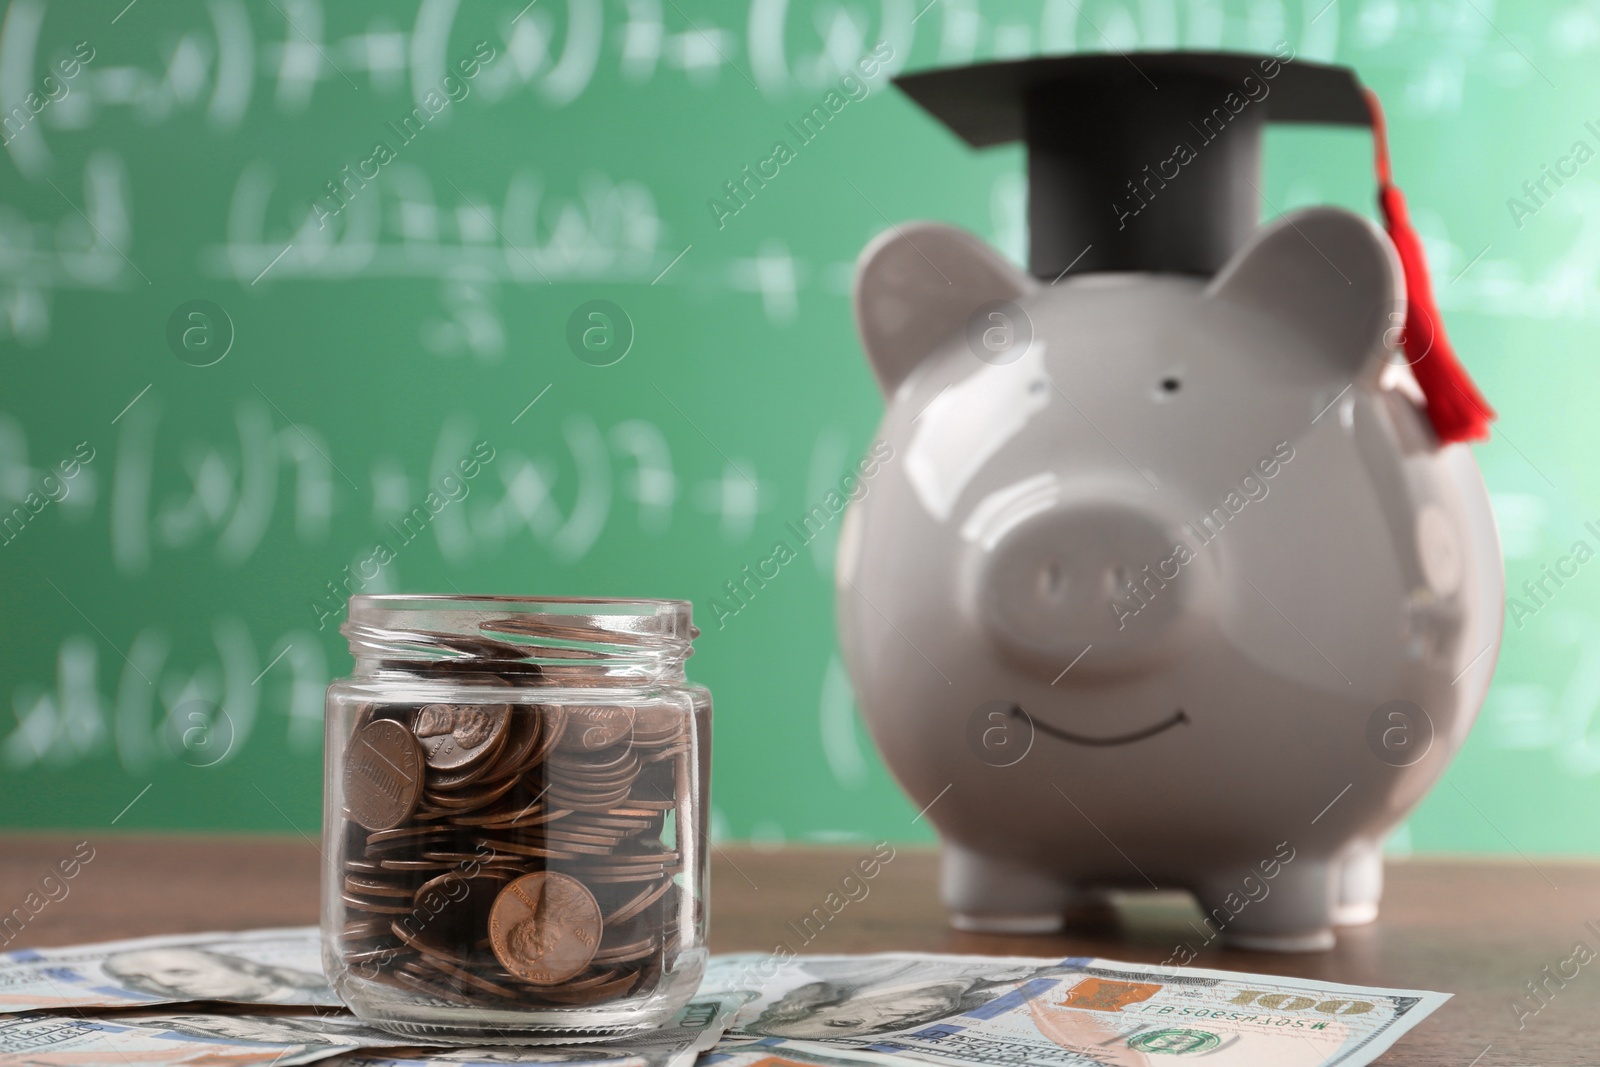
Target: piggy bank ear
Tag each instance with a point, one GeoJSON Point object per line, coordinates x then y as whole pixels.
{"type": "Point", "coordinates": [919, 283]}
{"type": "Point", "coordinates": [1328, 273]}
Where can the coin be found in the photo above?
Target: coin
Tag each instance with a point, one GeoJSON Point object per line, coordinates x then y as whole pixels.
{"type": "Point", "coordinates": [383, 775]}
{"type": "Point", "coordinates": [614, 988]}
{"type": "Point", "coordinates": [454, 736]}
{"type": "Point", "coordinates": [545, 927]}
{"type": "Point", "coordinates": [450, 914]}
{"type": "Point", "coordinates": [638, 904]}
{"type": "Point", "coordinates": [591, 728]}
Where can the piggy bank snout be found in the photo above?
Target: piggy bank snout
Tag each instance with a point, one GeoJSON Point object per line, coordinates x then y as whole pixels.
{"type": "Point", "coordinates": [1095, 576]}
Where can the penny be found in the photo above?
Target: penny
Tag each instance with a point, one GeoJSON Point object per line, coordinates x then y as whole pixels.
{"type": "Point", "coordinates": [379, 906]}
{"type": "Point", "coordinates": [627, 953]}
{"type": "Point", "coordinates": [415, 865]}
{"type": "Point", "coordinates": [479, 648]}
{"type": "Point", "coordinates": [454, 736]}
{"type": "Point", "coordinates": [364, 930]}
{"type": "Point", "coordinates": [450, 914]}
{"type": "Point", "coordinates": [591, 728]}
{"type": "Point", "coordinates": [383, 775]}
{"type": "Point", "coordinates": [400, 834]}
{"type": "Point", "coordinates": [374, 888]}
{"type": "Point", "coordinates": [545, 927]}
{"type": "Point", "coordinates": [527, 850]}
{"type": "Point", "coordinates": [638, 904]}
{"type": "Point", "coordinates": [588, 980]}
{"type": "Point", "coordinates": [470, 800]}
{"type": "Point", "coordinates": [475, 980]}
{"type": "Point", "coordinates": [614, 988]}
{"type": "Point", "coordinates": [522, 737]}
{"type": "Point", "coordinates": [420, 979]}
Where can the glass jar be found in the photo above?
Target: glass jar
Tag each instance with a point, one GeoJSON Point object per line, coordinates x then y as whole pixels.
{"type": "Point", "coordinates": [513, 824]}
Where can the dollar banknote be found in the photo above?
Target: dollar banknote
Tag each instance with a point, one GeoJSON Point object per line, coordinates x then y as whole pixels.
{"type": "Point", "coordinates": [239, 1040]}
{"type": "Point", "coordinates": [282, 966]}
{"type": "Point", "coordinates": [1075, 1012]}
{"type": "Point", "coordinates": [44, 1040]}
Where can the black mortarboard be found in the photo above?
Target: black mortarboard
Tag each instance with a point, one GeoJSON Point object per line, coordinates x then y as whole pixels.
{"type": "Point", "coordinates": [1110, 185]}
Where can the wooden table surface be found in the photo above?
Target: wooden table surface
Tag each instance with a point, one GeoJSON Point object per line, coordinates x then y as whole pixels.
{"type": "Point", "coordinates": [1481, 930]}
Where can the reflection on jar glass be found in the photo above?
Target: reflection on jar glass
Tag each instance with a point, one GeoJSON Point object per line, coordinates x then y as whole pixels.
{"type": "Point", "coordinates": [513, 816]}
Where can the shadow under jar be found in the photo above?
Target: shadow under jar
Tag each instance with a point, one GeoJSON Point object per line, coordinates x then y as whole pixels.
{"type": "Point", "coordinates": [513, 816]}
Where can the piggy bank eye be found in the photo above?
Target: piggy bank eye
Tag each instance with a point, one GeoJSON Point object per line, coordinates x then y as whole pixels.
{"type": "Point", "coordinates": [1170, 385]}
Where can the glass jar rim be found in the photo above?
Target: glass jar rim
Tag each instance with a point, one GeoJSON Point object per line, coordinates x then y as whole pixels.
{"type": "Point", "coordinates": [400, 599]}
{"type": "Point", "coordinates": [566, 638]}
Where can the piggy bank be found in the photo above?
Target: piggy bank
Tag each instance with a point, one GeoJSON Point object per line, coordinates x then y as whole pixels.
{"type": "Point", "coordinates": [1166, 581]}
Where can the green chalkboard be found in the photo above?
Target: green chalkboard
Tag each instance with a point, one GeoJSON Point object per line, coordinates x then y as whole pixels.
{"type": "Point", "coordinates": [268, 271]}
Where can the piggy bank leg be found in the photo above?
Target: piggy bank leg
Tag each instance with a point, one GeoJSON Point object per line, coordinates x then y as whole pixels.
{"type": "Point", "coordinates": [986, 894]}
{"type": "Point", "coordinates": [1360, 886]}
{"type": "Point", "coordinates": [1295, 915]}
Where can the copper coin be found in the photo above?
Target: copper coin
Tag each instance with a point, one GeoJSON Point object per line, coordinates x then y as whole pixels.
{"type": "Point", "coordinates": [525, 730]}
{"type": "Point", "coordinates": [383, 775]}
{"type": "Point", "coordinates": [545, 927]}
{"type": "Point", "coordinates": [594, 994]}
{"type": "Point", "coordinates": [628, 953]}
{"type": "Point", "coordinates": [657, 723]}
{"type": "Point", "coordinates": [372, 887]}
{"type": "Point", "coordinates": [364, 930]}
{"type": "Point", "coordinates": [415, 865]}
{"type": "Point", "coordinates": [468, 977]}
{"type": "Point", "coordinates": [596, 977]}
{"type": "Point", "coordinates": [552, 727]}
{"type": "Point", "coordinates": [591, 728]}
{"type": "Point", "coordinates": [450, 915]}
{"type": "Point", "coordinates": [454, 736]}
{"type": "Point", "coordinates": [379, 906]}
{"type": "Point", "coordinates": [420, 978]}
{"type": "Point", "coordinates": [639, 903]}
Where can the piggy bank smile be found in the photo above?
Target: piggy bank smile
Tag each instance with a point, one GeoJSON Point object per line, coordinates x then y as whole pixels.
{"type": "Point", "coordinates": [1177, 718]}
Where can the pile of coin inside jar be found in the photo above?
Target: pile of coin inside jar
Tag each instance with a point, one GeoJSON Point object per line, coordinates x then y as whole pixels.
{"type": "Point", "coordinates": [516, 854]}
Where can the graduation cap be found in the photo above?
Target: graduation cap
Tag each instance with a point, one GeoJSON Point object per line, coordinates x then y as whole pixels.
{"type": "Point", "coordinates": [1144, 161]}
{"type": "Point", "coordinates": [1151, 161]}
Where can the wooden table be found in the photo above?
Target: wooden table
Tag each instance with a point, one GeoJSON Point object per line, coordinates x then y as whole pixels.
{"type": "Point", "coordinates": [1479, 929]}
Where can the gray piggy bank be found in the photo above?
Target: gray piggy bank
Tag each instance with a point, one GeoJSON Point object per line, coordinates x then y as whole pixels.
{"type": "Point", "coordinates": [1168, 582]}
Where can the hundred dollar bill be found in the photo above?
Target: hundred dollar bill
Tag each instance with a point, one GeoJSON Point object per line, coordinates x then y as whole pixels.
{"type": "Point", "coordinates": [1076, 1012]}
{"type": "Point", "coordinates": [282, 966]}
{"type": "Point", "coordinates": [243, 1040]}
{"type": "Point", "coordinates": [40, 1040]}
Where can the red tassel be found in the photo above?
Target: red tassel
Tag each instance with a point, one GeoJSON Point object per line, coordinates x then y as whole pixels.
{"type": "Point", "coordinates": [1456, 409]}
